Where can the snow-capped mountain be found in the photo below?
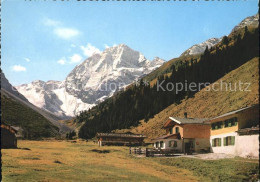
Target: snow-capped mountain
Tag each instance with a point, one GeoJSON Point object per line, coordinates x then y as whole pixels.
{"type": "Point", "coordinates": [89, 83]}
{"type": "Point", "coordinates": [249, 21]}
{"type": "Point", "coordinates": [102, 74]}
{"type": "Point", "coordinates": [200, 48]}
{"type": "Point", "coordinates": [51, 96]}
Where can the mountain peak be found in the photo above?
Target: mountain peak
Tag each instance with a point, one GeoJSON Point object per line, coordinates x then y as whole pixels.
{"type": "Point", "coordinates": [157, 59]}
{"type": "Point", "coordinates": [114, 47]}
{"type": "Point", "coordinates": [38, 82]}
{"type": "Point", "coordinates": [157, 62]}
{"type": "Point", "coordinates": [200, 48]}
{"type": "Point", "coordinates": [249, 21]}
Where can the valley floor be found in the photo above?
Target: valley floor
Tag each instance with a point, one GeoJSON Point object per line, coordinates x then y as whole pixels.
{"type": "Point", "coordinates": [54, 160]}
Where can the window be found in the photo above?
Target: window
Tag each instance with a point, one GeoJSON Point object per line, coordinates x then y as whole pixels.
{"type": "Point", "coordinates": [216, 142]}
{"type": "Point", "coordinates": [172, 143]}
{"type": "Point", "coordinates": [217, 125]}
{"type": "Point", "coordinates": [177, 130]}
{"type": "Point", "coordinates": [229, 140]}
{"type": "Point", "coordinates": [171, 130]}
{"type": "Point", "coordinates": [157, 144]}
{"type": "Point", "coordinates": [230, 122]}
{"type": "Point", "coordinates": [161, 144]}
{"type": "Point", "coordinates": [175, 144]}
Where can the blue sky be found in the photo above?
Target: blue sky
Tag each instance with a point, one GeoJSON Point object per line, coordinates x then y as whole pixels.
{"type": "Point", "coordinates": [45, 40]}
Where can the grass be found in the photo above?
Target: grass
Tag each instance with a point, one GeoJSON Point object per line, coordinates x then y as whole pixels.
{"type": "Point", "coordinates": [230, 170]}
{"type": "Point", "coordinates": [66, 161]}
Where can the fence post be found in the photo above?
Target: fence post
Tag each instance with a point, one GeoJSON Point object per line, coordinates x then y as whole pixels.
{"type": "Point", "coordinates": [146, 152]}
{"type": "Point", "coordinates": [130, 150]}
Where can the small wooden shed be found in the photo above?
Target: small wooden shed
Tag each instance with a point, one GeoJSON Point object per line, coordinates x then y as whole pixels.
{"type": "Point", "coordinates": [128, 139]}
{"type": "Point", "coordinates": [8, 137]}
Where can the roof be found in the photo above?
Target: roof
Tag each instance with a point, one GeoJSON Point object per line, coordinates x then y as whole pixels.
{"type": "Point", "coordinates": [235, 112]}
{"type": "Point", "coordinates": [17, 128]}
{"type": "Point", "coordinates": [188, 120]}
{"type": "Point", "coordinates": [125, 135]}
{"type": "Point", "coordinates": [8, 127]}
{"type": "Point", "coordinates": [172, 136]}
{"type": "Point", "coordinates": [185, 121]}
{"type": "Point", "coordinates": [248, 131]}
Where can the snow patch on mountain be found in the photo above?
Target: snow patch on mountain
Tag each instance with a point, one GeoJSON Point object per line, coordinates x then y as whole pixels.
{"type": "Point", "coordinates": [52, 97]}
{"type": "Point", "coordinates": [200, 48]}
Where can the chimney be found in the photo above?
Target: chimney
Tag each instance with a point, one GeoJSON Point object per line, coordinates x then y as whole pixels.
{"type": "Point", "coordinates": [185, 115]}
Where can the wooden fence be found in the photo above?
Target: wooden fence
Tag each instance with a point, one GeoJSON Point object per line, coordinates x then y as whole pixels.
{"type": "Point", "coordinates": [151, 152]}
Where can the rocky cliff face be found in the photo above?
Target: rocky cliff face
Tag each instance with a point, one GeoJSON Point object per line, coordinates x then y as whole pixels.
{"type": "Point", "coordinates": [103, 74]}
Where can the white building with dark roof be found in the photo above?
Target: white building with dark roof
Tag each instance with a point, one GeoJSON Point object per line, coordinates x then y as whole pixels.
{"type": "Point", "coordinates": [236, 132]}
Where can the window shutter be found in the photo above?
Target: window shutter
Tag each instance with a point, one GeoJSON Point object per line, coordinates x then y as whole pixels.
{"type": "Point", "coordinates": [225, 142]}
{"type": "Point", "coordinates": [177, 130]}
{"type": "Point", "coordinates": [212, 143]}
{"type": "Point", "coordinates": [232, 140]}
{"type": "Point", "coordinates": [219, 142]}
{"type": "Point", "coordinates": [235, 121]}
{"type": "Point", "coordinates": [175, 143]}
{"type": "Point", "coordinates": [161, 144]}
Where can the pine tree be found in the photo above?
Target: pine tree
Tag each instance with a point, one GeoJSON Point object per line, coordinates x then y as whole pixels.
{"type": "Point", "coordinates": [225, 40]}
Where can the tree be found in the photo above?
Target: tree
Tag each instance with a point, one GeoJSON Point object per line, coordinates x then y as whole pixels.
{"type": "Point", "coordinates": [225, 40]}
{"type": "Point", "coordinates": [70, 135]}
{"type": "Point", "coordinates": [246, 29]}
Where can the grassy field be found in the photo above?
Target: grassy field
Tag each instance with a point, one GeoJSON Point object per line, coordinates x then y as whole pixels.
{"type": "Point", "coordinates": [84, 161]}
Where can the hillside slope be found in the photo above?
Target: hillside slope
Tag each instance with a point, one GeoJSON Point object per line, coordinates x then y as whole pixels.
{"type": "Point", "coordinates": [207, 104]}
{"type": "Point", "coordinates": [16, 113]}
{"type": "Point", "coordinates": [9, 88]}
{"type": "Point", "coordinates": [10, 96]}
